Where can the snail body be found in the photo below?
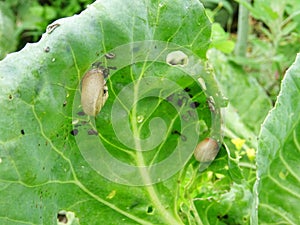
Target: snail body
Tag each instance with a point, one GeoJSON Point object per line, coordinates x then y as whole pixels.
{"type": "Point", "coordinates": [94, 92]}
{"type": "Point", "coordinates": [206, 150]}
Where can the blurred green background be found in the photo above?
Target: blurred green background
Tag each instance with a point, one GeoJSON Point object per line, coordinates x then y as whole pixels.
{"type": "Point", "coordinates": [23, 21]}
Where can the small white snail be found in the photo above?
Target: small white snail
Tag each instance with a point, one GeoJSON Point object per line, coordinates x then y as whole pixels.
{"type": "Point", "coordinates": [94, 92]}
{"type": "Point", "coordinates": [206, 150]}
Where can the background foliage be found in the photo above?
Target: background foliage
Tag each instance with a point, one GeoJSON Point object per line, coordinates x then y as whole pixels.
{"type": "Point", "coordinates": [25, 21]}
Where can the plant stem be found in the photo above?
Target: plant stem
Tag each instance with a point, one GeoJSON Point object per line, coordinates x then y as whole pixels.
{"type": "Point", "coordinates": [165, 213]}
{"type": "Point", "coordinates": [243, 27]}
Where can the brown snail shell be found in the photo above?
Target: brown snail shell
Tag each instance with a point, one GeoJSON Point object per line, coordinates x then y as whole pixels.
{"type": "Point", "coordinates": [206, 150]}
{"type": "Point", "coordinates": [94, 92]}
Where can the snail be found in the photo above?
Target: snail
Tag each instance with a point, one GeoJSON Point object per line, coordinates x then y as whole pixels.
{"type": "Point", "coordinates": [206, 150]}
{"type": "Point", "coordinates": [94, 92]}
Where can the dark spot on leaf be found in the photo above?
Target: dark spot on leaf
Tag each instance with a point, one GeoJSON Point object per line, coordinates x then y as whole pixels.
{"type": "Point", "coordinates": [135, 49]}
{"type": "Point", "coordinates": [92, 132]}
{"type": "Point", "coordinates": [105, 72]}
{"type": "Point", "coordinates": [185, 117]}
{"type": "Point", "coordinates": [62, 218]}
{"type": "Point", "coordinates": [22, 132]}
{"type": "Point", "coordinates": [96, 64]}
{"type": "Point", "coordinates": [74, 132]}
{"type": "Point", "coordinates": [194, 105]}
{"type": "Point", "coordinates": [47, 49]}
{"type": "Point", "coordinates": [192, 113]}
{"type": "Point", "coordinates": [134, 204]}
{"type": "Point", "coordinates": [112, 67]}
{"type": "Point", "coordinates": [150, 209]}
{"type": "Point", "coordinates": [65, 103]}
{"type": "Point", "coordinates": [181, 101]}
{"type": "Point", "coordinates": [84, 122]}
{"type": "Point", "coordinates": [68, 49]}
{"type": "Point", "coordinates": [170, 97]}
{"type": "Point", "coordinates": [183, 138]}
{"type": "Point", "coordinates": [187, 89]}
{"type": "Point", "coordinates": [110, 55]}
{"type": "Point", "coordinates": [10, 97]}
{"type": "Point", "coordinates": [81, 113]}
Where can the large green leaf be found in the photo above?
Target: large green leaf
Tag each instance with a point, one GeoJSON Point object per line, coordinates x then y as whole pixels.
{"type": "Point", "coordinates": [278, 156]}
{"type": "Point", "coordinates": [49, 167]}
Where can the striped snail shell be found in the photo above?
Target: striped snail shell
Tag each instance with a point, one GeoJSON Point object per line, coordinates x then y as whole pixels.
{"type": "Point", "coordinates": [94, 92]}
{"type": "Point", "coordinates": [206, 150]}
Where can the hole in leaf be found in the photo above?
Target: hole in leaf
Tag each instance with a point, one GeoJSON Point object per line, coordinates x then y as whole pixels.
{"type": "Point", "coordinates": [225, 217]}
{"type": "Point", "coordinates": [194, 105]}
{"type": "Point", "coordinates": [183, 137]}
{"type": "Point", "coordinates": [74, 132]}
{"type": "Point", "coordinates": [176, 132]}
{"type": "Point", "coordinates": [61, 217]}
{"type": "Point", "coordinates": [150, 209]}
{"type": "Point", "coordinates": [187, 89]}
